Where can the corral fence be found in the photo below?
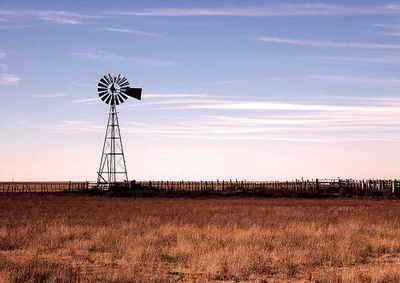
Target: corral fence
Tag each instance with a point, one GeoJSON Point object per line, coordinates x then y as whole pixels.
{"type": "Point", "coordinates": [42, 187]}
{"type": "Point", "coordinates": [315, 187]}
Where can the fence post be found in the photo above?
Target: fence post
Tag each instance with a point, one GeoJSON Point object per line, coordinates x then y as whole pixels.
{"type": "Point", "coordinates": [392, 187]}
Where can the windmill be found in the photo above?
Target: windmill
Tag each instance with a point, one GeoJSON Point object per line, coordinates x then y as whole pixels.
{"type": "Point", "coordinates": [114, 90]}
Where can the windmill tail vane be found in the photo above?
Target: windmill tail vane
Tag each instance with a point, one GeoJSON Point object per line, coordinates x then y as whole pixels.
{"type": "Point", "coordinates": [134, 93]}
{"type": "Point", "coordinates": [114, 90]}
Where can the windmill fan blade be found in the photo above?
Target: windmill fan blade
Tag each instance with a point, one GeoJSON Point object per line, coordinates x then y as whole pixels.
{"type": "Point", "coordinates": [108, 99]}
{"type": "Point", "coordinates": [105, 97]}
{"type": "Point", "coordinates": [134, 92]}
{"type": "Point", "coordinates": [110, 77]}
{"type": "Point", "coordinates": [106, 79]}
{"type": "Point", "coordinates": [119, 78]}
{"type": "Point", "coordinates": [122, 94]}
{"type": "Point", "coordinates": [102, 94]}
{"type": "Point", "coordinates": [100, 86]}
{"type": "Point", "coordinates": [120, 99]}
{"type": "Point", "coordinates": [124, 84]}
{"type": "Point", "coordinates": [123, 90]}
{"type": "Point", "coordinates": [103, 83]}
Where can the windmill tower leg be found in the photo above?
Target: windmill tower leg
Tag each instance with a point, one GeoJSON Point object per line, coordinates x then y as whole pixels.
{"type": "Point", "coordinates": [112, 169]}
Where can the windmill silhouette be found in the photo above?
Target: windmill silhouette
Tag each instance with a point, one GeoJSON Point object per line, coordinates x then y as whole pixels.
{"type": "Point", "coordinates": [114, 90]}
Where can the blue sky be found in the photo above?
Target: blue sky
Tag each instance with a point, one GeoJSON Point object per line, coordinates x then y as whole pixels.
{"type": "Point", "coordinates": [231, 89]}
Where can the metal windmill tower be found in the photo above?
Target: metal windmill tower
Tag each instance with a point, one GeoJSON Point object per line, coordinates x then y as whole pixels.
{"type": "Point", "coordinates": [114, 90]}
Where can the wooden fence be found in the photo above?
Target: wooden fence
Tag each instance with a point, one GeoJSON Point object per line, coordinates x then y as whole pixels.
{"type": "Point", "coordinates": [288, 188]}
{"type": "Point", "coordinates": [296, 187]}
{"type": "Point", "coordinates": [42, 187]}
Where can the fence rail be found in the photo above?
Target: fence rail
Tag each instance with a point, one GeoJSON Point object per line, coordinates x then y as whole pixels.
{"type": "Point", "coordinates": [42, 187]}
{"type": "Point", "coordinates": [296, 187]}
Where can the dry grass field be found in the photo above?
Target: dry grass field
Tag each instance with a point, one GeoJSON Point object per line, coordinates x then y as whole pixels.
{"type": "Point", "coordinates": [52, 238]}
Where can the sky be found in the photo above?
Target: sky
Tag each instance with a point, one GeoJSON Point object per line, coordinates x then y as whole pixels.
{"type": "Point", "coordinates": [254, 90]}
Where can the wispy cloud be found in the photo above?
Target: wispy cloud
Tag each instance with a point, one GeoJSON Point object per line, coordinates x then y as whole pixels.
{"type": "Point", "coordinates": [79, 84]}
{"type": "Point", "coordinates": [85, 100]}
{"type": "Point", "coordinates": [177, 95]}
{"type": "Point", "coordinates": [328, 44]}
{"type": "Point", "coordinates": [391, 33]}
{"type": "Point", "coordinates": [50, 95]}
{"type": "Point", "coordinates": [8, 79]}
{"type": "Point", "coordinates": [67, 126]}
{"type": "Point", "coordinates": [387, 59]}
{"type": "Point", "coordinates": [133, 32]}
{"type": "Point", "coordinates": [56, 16]}
{"type": "Point", "coordinates": [99, 55]}
{"type": "Point", "coordinates": [163, 98]}
{"type": "Point", "coordinates": [267, 121]}
{"type": "Point", "coordinates": [273, 10]}
{"type": "Point", "coordinates": [383, 81]}
{"type": "Point", "coordinates": [9, 12]}
{"type": "Point", "coordinates": [373, 99]}
{"type": "Point", "coordinates": [2, 54]}
{"type": "Point", "coordinates": [229, 82]}
{"type": "Point", "coordinates": [317, 132]}
{"type": "Point", "coordinates": [282, 138]}
{"type": "Point", "coordinates": [60, 20]}
{"type": "Point", "coordinates": [296, 123]}
{"type": "Point", "coordinates": [389, 29]}
{"type": "Point", "coordinates": [182, 101]}
{"type": "Point", "coordinates": [153, 62]}
{"type": "Point", "coordinates": [276, 78]}
{"type": "Point", "coordinates": [273, 106]}
{"type": "Point", "coordinates": [14, 27]}
{"type": "Point", "coordinates": [328, 121]}
{"type": "Point", "coordinates": [387, 26]}
{"type": "Point", "coordinates": [109, 56]}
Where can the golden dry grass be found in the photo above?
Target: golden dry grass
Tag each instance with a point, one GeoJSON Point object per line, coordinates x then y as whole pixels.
{"type": "Point", "coordinates": [98, 239]}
